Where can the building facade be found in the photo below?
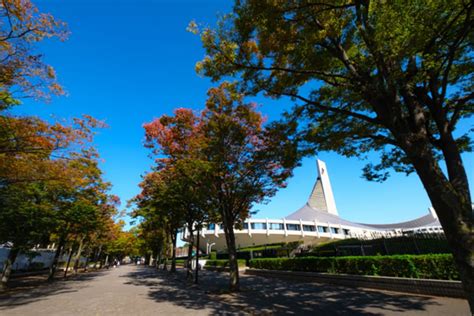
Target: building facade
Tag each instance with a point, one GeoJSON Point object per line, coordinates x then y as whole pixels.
{"type": "Point", "coordinates": [315, 222]}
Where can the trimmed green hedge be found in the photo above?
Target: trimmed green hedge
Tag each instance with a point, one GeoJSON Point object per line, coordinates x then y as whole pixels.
{"type": "Point", "coordinates": [224, 263]}
{"type": "Point", "coordinates": [434, 266]}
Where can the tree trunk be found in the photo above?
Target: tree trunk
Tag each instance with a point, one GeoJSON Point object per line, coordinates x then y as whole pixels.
{"type": "Point", "coordinates": [173, 260]}
{"type": "Point", "coordinates": [147, 259]}
{"type": "Point", "coordinates": [106, 261]}
{"type": "Point", "coordinates": [196, 279]}
{"type": "Point", "coordinates": [233, 266]}
{"type": "Point", "coordinates": [71, 250]}
{"type": "Point", "coordinates": [97, 257]}
{"type": "Point", "coordinates": [158, 257]}
{"type": "Point", "coordinates": [77, 257]}
{"type": "Point", "coordinates": [190, 253]}
{"type": "Point", "coordinates": [7, 267]}
{"type": "Point", "coordinates": [150, 263]}
{"type": "Point", "coordinates": [165, 264]}
{"type": "Point", "coordinates": [87, 262]}
{"type": "Point", "coordinates": [452, 203]}
{"type": "Point", "coordinates": [54, 265]}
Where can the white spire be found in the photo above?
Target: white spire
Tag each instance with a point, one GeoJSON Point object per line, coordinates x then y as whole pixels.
{"type": "Point", "coordinates": [321, 197]}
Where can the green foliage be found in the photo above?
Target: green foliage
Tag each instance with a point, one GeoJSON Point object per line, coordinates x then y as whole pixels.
{"type": "Point", "coordinates": [365, 74]}
{"type": "Point", "coordinates": [268, 246]}
{"type": "Point", "coordinates": [224, 263]}
{"type": "Point", "coordinates": [36, 266]}
{"type": "Point", "coordinates": [399, 245]}
{"type": "Point", "coordinates": [439, 266]}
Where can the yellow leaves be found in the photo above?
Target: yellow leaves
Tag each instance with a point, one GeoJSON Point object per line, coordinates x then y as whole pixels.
{"type": "Point", "coordinates": [23, 25]}
{"type": "Point", "coordinates": [193, 27]}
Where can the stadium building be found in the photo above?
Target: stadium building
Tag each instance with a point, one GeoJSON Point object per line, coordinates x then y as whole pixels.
{"type": "Point", "coordinates": [315, 222]}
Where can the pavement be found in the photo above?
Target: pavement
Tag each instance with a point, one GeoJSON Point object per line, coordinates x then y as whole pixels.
{"type": "Point", "coordinates": [138, 290]}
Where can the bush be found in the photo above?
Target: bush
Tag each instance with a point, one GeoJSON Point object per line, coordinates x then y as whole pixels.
{"type": "Point", "coordinates": [36, 266]}
{"type": "Point", "coordinates": [434, 266]}
{"type": "Point", "coordinates": [223, 263]}
{"type": "Point", "coordinates": [427, 243]}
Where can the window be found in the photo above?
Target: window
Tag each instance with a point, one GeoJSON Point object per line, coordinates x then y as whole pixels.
{"type": "Point", "coordinates": [292, 227]}
{"type": "Point", "coordinates": [258, 225]}
{"type": "Point", "coordinates": [334, 230]}
{"type": "Point", "coordinates": [245, 226]}
{"type": "Point", "coordinates": [346, 231]}
{"type": "Point", "coordinates": [211, 226]}
{"type": "Point", "coordinates": [309, 228]}
{"type": "Point", "coordinates": [322, 229]}
{"type": "Point", "coordinates": [276, 226]}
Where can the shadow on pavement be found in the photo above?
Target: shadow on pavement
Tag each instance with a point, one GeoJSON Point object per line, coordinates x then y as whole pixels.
{"type": "Point", "coordinates": [271, 296]}
{"type": "Point", "coordinates": [26, 290]}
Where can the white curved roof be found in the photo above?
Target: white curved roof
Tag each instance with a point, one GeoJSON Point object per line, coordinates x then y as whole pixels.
{"type": "Point", "coordinates": [322, 208]}
{"type": "Point", "coordinates": [307, 213]}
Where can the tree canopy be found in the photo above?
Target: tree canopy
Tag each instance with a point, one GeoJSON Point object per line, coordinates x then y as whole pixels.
{"type": "Point", "coordinates": [391, 77]}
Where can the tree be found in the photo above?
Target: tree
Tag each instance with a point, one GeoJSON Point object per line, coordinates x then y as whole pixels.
{"type": "Point", "coordinates": [48, 171]}
{"type": "Point", "coordinates": [158, 210]}
{"type": "Point", "coordinates": [124, 243]}
{"type": "Point", "coordinates": [24, 220]}
{"type": "Point", "coordinates": [220, 165]}
{"type": "Point", "coordinates": [392, 77]}
{"type": "Point", "coordinates": [22, 72]}
{"type": "Point", "coordinates": [82, 208]}
{"type": "Point", "coordinates": [246, 169]}
{"type": "Point", "coordinates": [35, 198]}
{"type": "Point", "coordinates": [180, 140]}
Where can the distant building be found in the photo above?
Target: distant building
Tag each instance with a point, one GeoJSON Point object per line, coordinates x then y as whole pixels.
{"type": "Point", "coordinates": [317, 221]}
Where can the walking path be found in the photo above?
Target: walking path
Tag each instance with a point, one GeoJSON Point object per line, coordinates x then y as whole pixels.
{"type": "Point", "coordinates": [136, 290]}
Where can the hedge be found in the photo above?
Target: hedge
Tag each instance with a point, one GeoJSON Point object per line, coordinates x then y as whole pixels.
{"type": "Point", "coordinates": [224, 263]}
{"type": "Point", "coordinates": [434, 266]}
{"type": "Point", "coordinates": [426, 243]}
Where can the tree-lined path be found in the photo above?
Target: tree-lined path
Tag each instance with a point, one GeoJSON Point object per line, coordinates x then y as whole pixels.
{"type": "Point", "coordinates": [135, 290]}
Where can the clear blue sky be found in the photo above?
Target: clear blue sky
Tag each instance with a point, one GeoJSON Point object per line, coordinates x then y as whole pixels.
{"type": "Point", "coordinates": [127, 62]}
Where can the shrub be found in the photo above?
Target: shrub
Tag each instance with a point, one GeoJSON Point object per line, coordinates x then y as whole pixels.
{"type": "Point", "coordinates": [434, 266]}
{"type": "Point", "coordinates": [223, 263]}
{"type": "Point", "coordinates": [36, 266]}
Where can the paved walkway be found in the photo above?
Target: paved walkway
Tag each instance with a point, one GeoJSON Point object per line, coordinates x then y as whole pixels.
{"type": "Point", "coordinates": [132, 290]}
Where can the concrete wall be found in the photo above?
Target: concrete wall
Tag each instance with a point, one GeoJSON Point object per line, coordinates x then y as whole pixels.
{"type": "Point", "coordinates": [33, 259]}
{"type": "Point", "coordinates": [25, 261]}
{"type": "Point", "coordinates": [419, 286]}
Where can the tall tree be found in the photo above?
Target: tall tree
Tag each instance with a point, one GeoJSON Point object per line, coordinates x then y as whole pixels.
{"type": "Point", "coordinates": [233, 157]}
{"type": "Point", "coordinates": [82, 207]}
{"type": "Point", "coordinates": [35, 182]}
{"type": "Point", "coordinates": [393, 77]}
{"type": "Point", "coordinates": [158, 205]}
{"type": "Point", "coordinates": [246, 169]}
{"type": "Point", "coordinates": [179, 139]}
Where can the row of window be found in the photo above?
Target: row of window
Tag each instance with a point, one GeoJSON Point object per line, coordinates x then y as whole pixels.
{"type": "Point", "coordinates": [280, 226]}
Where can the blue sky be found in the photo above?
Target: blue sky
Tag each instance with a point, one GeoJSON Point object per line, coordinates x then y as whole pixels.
{"type": "Point", "coordinates": [127, 62]}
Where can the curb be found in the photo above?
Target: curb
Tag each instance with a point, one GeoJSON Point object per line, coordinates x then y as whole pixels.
{"type": "Point", "coordinates": [447, 288]}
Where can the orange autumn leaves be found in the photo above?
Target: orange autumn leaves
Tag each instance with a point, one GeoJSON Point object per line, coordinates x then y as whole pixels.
{"type": "Point", "coordinates": [32, 149]}
{"type": "Point", "coordinates": [54, 159]}
{"type": "Point", "coordinates": [22, 71]}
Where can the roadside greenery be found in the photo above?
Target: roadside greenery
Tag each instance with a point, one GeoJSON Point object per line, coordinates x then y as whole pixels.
{"type": "Point", "coordinates": [396, 245]}
{"type": "Point", "coordinates": [224, 263]}
{"type": "Point", "coordinates": [52, 190]}
{"type": "Point", "coordinates": [212, 167]}
{"type": "Point", "coordinates": [434, 266]}
{"type": "Point", "coordinates": [393, 78]}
